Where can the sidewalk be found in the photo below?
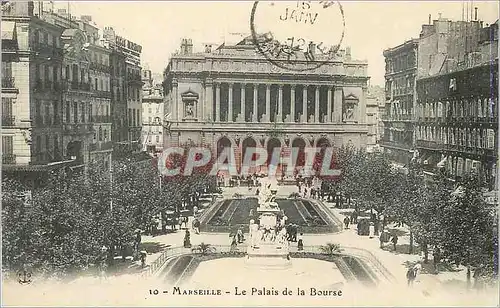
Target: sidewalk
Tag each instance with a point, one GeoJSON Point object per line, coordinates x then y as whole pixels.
{"type": "Point", "coordinates": [398, 262]}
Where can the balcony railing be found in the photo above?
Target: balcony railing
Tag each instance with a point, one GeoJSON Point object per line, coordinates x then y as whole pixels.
{"type": "Point", "coordinates": [394, 144]}
{"type": "Point", "coordinates": [8, 83]}
{"type": "Point", "coordinates": [134, 78]}
{"type": "Point", "coordinates": [99, 67]}
{"type": "Point", "coordinates": [47, 49]}
{"type": "Point", "coordinates": [458, 119]}
{"type": "Point", "coordinates": [397, 117]}
{"type": "Point", "coordinates": [469, 149]}
{"type": "Point", "coordinates": [101, 119]}
{"type": "Point", "coordinates": [429, 144]}
{"type": "Point", "coordinates": [8, 120]}
{"type": "Point", "coordinates": [77, 128]}
{"type": "Point", "coordinates": [8, 158]}
{"type": "Point", "coordinates": [75, 85]}
{"type": "Point", "coordinates": [105, 94]}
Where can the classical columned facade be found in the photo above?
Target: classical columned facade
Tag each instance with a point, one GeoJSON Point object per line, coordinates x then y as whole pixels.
{"type": "Point", "coordinates": [237, 101]}
{"type": "Point", "coordinates": [234, 97]}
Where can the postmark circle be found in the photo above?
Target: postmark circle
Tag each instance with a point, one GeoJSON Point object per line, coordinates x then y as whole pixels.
{"type": "Point", "coordinates": [290, 53]}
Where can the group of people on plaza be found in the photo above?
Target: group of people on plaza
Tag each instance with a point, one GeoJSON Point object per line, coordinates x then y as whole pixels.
{"type": "Point", "coordinates": [239, 181]}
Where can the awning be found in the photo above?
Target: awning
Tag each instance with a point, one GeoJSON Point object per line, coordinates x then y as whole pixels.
{"type": "Point", "coordinates": [8, 28]}
{"type": "Point", "coordinates": [442, 163]}
{"type": "Point", "coordinates": [72, 168]}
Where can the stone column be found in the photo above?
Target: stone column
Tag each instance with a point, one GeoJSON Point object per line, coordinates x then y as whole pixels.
{"type": "Point", "coordinates": [292, 103]}
{"type": "Point", "coordinates": [280, 103]}
{"type": "Point", "coordinates": [209, 97]}
{"type": "Point", "coordinates": [175, 110]}
{"type": "Point", "coordinates": [255, 117]}
{"type": "Point", "coordinates": [329, 105]}
{"type": "Point", "coordinates": [362, 106]}
{"type": "Point", "coordinates": [242, 103]}
{"type": "Point", "coordinates": [304, 104]}
{"type": "Point", "coordinates": [337, 104]}
{"type": "Point", "coordinates": [217, 102]}
{"type": "Point", "coordinates": [316, 106]}
{"type": "Point", "coordinates": [268, 102]}
{"type": "Point", "coordinates": [230, 104]}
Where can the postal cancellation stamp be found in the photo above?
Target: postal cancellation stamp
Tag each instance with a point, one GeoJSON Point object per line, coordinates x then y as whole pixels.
{"type": "Point", "coordinates": [298, 35]}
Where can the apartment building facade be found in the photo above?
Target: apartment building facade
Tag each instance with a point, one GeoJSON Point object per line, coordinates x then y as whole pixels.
{"type": "Point", "coordinates": [152, 113]}
{"type": "Point", "coordinates": [457, 123]}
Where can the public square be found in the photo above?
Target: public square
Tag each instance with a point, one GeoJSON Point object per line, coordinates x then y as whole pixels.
{"type": "Point", "coordinates": [160, 153]}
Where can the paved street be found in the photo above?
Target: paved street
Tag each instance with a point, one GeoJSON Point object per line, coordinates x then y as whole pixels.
{"type": "Point", "coordinates": [395, 262]}
{"type": "Point", "coordinates": [447, 288]}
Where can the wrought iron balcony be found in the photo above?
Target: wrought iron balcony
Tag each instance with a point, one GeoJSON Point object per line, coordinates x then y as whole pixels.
{"type": "Point", "coordinates": [101, 119]}
{"type": "Point", "coordinates": [395, 144]}
{"type": "Point", "coordinates": [99, 67]}
{"type": "Point", "coordinates": [8, 83]}
{"type": "Point", "coordinates": [8, 158]}
{"type": "Point", "coordinates": [104, 94]}
{"type": "Point", "coordinates": [8, 120]}
{"type": "Point", "coordinates": [397, 117]}
{"type": "Point", "coordinates": [434, 145]}
{"type": "Point", "coordinates": [46, 49]}
{"type": "Point", "coordinates": [77, 128]}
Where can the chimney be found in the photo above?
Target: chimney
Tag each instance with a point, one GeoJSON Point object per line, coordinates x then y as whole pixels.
{"type": "Point", "coordinates": [430, 16]}
{"type": "Point", "coordinates": [62, 12]}
{"type": "Point", "coordinates": [312, 48]}
{"type": "Point", "coordinates": [348, 53]}
{"type": "Point", "coordinates": [475, 13]}
{"type": "Point", "coordinates": [86, 18]}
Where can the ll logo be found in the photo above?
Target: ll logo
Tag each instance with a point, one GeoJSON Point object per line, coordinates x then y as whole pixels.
{"type": "Point", "coordinates": [24, 277]}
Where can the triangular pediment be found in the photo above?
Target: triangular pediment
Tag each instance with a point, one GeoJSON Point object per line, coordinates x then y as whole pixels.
{"type": "Point", "coordinates": [351, 97]}
{"type": "Point", "coordinates": [190, 93]}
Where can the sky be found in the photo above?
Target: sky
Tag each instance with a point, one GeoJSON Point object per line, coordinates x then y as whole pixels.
{"type": "Point", "coordinates": [370, 26]}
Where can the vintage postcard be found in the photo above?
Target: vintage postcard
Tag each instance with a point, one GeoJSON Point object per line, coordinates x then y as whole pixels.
{"type": "Point", "coordinates": [249, 153]}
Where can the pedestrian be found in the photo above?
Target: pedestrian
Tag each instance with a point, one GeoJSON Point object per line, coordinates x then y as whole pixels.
{"type": "Point", "coordinates": [137, 241]}
{"type": "Point", "coordinates": [294, 232]}
{"type": "Point", "coordinates": [300, 244]}
{"type": "Point", "coordinates": [187, 239]}
{"type": "Point", "coordinates": [240, 236]}
{"type": "Point", "coordinates": [394, 241]}
{"type": "Point", "coordinates": [196, 226]}
{"type": "Point", "coordinates": [436, 256]}
{"type": "Point", "coordinates": [234, 243]}
{"type": "Point", "coordinates": [372, 229]}
{"type": "Point", "coordinates": [346, 222]}
{"type": "Point", "coordinates": [284, 219]}
{"type": "Point", "coordinates": [143, 259]}
{"type": "Point", "coordinates": [410, 276]}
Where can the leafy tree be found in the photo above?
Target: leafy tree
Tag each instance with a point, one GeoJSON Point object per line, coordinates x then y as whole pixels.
{"type": "Point", "coordinates": [467, 226]}
{"type": "Point", "coordinates": [204, 249]}
{"type": "Point", "coordinates": [330, 249]}
{"type": "Point", "coordinates": [409, 206]}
